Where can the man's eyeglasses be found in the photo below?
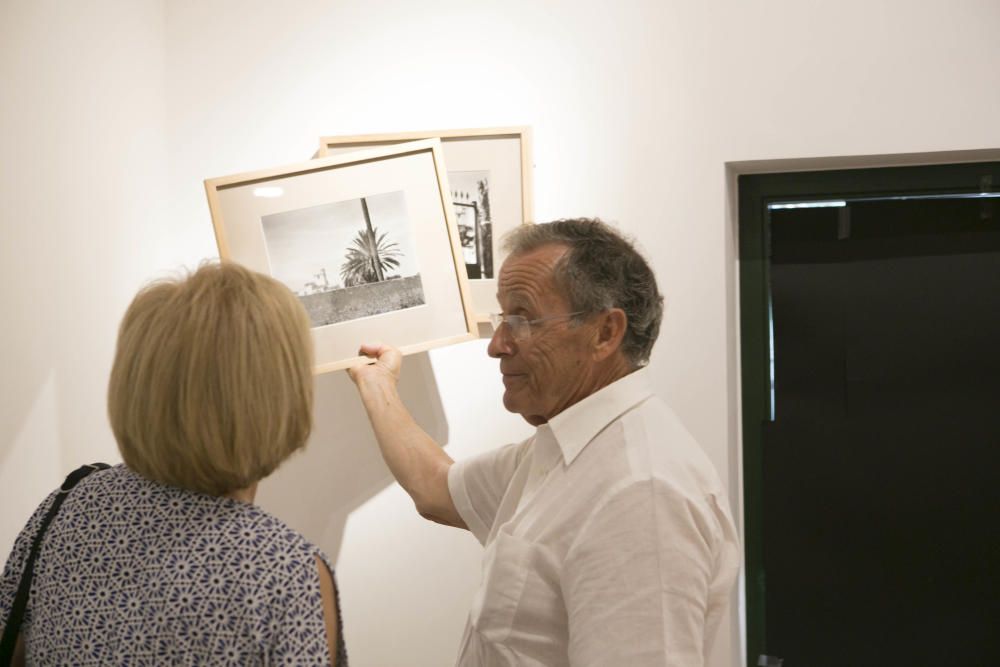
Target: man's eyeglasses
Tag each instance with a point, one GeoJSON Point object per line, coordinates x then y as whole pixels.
{"type": "Point", "coordinates": [520, 326]}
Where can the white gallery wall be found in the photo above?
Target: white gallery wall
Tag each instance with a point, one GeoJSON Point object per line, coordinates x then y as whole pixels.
{"type": "Point", "coordinates": [82, 224]}
{"type": "Point", "coordinates": [114, 112]}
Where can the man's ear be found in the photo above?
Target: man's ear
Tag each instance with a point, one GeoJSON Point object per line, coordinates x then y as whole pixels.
{"type": "Point", "coordinates": [611, 327]}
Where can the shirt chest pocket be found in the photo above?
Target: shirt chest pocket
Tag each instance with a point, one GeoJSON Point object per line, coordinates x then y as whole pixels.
{"type": "Point", "coordinates": [506, 565]}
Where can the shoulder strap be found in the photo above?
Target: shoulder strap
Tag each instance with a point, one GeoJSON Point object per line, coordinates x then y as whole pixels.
{"type": "Point", "coordinates": [16, 615]}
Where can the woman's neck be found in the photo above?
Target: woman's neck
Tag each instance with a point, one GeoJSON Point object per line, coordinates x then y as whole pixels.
{"type": "Point", "coordinates": [245, 495]}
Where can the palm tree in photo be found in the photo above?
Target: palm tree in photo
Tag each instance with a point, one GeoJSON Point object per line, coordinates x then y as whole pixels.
{"type": "Point", "coordinates": [486, 233]}
{"type": "Point", "coordinates": [376, 265]}
{"type": "Point", "coordinates": [369, 257]}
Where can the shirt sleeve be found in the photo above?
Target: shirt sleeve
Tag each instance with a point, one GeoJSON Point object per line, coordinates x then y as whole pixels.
{"type": "Point", "coordinates": [478, 485]}
{"type": "Point", "coordinates": [18, 556]}
{"type": "Point", "coordinates": [638, 579]}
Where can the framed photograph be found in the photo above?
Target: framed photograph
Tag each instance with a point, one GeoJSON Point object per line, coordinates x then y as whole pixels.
{"type": "Point", "coordinates": [490, 175]}
{"type": "Point", "coordinates": [367, 240]}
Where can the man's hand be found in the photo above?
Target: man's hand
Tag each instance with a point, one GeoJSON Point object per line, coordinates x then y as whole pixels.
{"type": "Point", "coordinates": [416, 461]}
{"type": "Point", "coordinates": [386, 366]}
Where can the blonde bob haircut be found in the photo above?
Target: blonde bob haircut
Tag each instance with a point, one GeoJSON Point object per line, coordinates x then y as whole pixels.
{"type": "Point", "coordinates": [212, 386]}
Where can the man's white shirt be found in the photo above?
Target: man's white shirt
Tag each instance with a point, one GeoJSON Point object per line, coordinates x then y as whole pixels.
{"type": "Point", "coordinates": [608, 538]}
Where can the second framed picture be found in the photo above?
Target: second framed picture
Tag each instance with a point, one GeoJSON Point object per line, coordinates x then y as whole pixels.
{"type": "Point", "coordinates": [367, 241]}
{"type": "Point", "coordinates": [490, 175]}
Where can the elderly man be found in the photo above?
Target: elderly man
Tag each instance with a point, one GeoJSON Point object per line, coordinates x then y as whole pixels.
{"type": "Point", "coordinates": [608, 535]}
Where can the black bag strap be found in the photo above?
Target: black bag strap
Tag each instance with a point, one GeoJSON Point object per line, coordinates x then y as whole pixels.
{"type": "Point", "coordinates": [16, 615]}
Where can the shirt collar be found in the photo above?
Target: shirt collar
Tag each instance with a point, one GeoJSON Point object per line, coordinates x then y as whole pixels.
{"type": "Point", "coordinates": [576, 426]}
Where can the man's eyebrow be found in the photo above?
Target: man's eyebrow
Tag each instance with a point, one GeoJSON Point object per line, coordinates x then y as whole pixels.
{"type": "Point", "coordinates": [520, 300]}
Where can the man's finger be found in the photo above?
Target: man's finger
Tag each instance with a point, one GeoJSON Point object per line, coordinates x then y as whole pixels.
{"type": "Point", "coordinates": [371, 349]}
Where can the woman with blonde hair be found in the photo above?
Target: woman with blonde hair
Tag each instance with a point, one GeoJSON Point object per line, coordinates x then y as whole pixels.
{"type": "Point", "coordinates": [165, 559]}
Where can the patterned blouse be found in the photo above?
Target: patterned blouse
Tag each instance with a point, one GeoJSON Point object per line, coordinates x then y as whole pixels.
{"type": "Point", "coordinates": [132, 572]}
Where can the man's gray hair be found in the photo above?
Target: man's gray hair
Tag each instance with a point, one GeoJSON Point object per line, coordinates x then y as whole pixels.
{"type": "Point", "coordinates": [601, 270]}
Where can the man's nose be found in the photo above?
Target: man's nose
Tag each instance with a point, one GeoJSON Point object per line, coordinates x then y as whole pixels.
{"type": "Point", "coordinates": [501, 344]}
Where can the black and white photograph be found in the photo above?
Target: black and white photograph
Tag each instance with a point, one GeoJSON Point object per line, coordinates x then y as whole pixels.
{"type": "Point", "coordinates": [470, 195]}
{"type": "Point", "coordinates": [346, 260]}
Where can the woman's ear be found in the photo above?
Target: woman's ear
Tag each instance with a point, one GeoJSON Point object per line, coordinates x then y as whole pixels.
{"type": "Point", "coordinates": [611, 325]}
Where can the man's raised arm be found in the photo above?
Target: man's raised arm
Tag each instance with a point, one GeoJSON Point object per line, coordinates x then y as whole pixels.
{"type": "Point", "coordinates": [418, 463]}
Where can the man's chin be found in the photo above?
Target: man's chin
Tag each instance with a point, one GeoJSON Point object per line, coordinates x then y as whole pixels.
{"type": "Point", "coordinates": [511, 404]}
{"type": "Point", "coordinates": [510, 401]}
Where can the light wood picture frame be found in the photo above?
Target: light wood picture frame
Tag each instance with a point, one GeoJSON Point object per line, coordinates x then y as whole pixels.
{"type": "Point", "coordinates": [367, 240]}
{"type": "Point", "coordinates": [490, 171]}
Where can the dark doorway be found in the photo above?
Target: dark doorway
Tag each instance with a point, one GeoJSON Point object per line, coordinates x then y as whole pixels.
{"type": "Point", "coordinates": [870, 305]}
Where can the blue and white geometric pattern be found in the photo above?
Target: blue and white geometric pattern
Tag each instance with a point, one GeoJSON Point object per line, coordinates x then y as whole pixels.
{"type": "Point", "coordinates": [132, 572]}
